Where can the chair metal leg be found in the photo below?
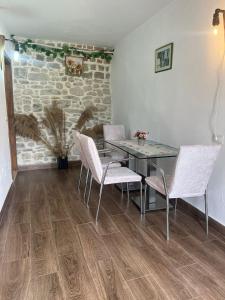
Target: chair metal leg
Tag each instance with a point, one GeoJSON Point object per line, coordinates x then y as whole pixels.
{"type": "Point", "coordinates": [175, 206]}
{"type": "Point", "coordinates": [89, 192]}
{"type": "Point", "coordinates": [128, 193]}
{"type": "Point", "coordinates": [167, 218]}
{"type": "Point", "coordinates": [142, 200]}
{"type": "Point", "coordinates": [145, 197]}
{"type": "Point", "coordinates": [99, 201]}
{"type": "Point", "coordinates": [206, 213]}
{"type": "Point", "coordinates": [86, 182]}
{"type": "Point", "coordinates": [81, 171]}
{"type": "Point", "coordinates": [122, 189]}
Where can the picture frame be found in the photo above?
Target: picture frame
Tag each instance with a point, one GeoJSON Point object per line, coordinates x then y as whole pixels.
{"type": "Point", "coordinates": [74, 65]}
{"type": "Point", "coordinates": [164, 58]}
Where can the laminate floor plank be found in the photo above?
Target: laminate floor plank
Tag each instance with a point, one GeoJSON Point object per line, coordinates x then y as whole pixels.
{"type": "Point", "coordinates": [4, 225]}
{"type": "Point", "coordinates": [15, 279]}
{"type": "Point", "coordinates": [76, 277]}
{"type": "Point", "coordinates": [105, 224]}
{"type": "Point", "coordinates": [56, 203]}
{"type": "Point", "coordinates": [18, 242]}
{"type": "Point", "coordinates": [158, 219]}
{"type": "Point", "coordinates": [216, 247]}
{"type": "Point", "coordinates": [20, 212]}
{"type": "Point", "coordinates": [64, 236]}
{"type": "Point", "coordinates": [108, 203]}
{"type": "Point", "coordinates": [45, 287]}
{"type": "Point", "coordinates": [192, 226]}
{"type": "Point", "coordinates": [212, 260]}
{"type": "Point", "coordinates": [159, 266]}
{"type": "Point", "coordinates": [172, 250]}
{"type": "Point", "coordinates": [76, 210]}
{"type": "Point", "coordinates": [22, 194]}
{"type": "Point", "coordinates": [107, 279]}
{"type": "Point", "coordinates": [40, 215]}
{"type": "Point", "coordinates": [43, 254]}
{"type": "Point", "coordinates": [147, 288]}
{"type": "Point", "coordinates": [202, 281]}
{"type": "Point", "coordinates": [128, 260]}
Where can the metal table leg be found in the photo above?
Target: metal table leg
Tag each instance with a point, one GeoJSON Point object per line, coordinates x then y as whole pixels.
{"type": "Point", "coordinates": [154, 201]}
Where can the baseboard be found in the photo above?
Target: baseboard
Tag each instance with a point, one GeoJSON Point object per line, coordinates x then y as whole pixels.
{"type": "Point", "coordinates": [72, 163]}
{"type": "Point", "coordinates": [196, 213]}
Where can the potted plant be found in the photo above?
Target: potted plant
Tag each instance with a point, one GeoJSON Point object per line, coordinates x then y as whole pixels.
{"type": "Point", "coordinates": [141, 137]}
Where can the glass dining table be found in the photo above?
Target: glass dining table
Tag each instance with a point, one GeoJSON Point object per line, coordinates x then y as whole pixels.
{"type": "Point", "coordinates": [148, 152]}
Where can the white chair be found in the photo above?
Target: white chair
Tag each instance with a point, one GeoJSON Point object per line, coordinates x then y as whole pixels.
{"type": "Point", "coordinates": [84, 163]}
{"type": "Point", "coordinates": [105, 176]}
{"type": "Point", "coordinates": [191, 175]}
{"type": "Point", "coordinates": [114, 133]}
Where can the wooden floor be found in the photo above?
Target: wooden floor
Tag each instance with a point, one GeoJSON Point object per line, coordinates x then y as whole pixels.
{"type": "Point", "coordinates": [51, 248]}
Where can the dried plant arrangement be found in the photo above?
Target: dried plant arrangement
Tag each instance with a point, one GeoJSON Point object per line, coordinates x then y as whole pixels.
{"type": "Point", "coordinates": [96, 131]}
{"type": "Point", "coordinates": [54, 121]}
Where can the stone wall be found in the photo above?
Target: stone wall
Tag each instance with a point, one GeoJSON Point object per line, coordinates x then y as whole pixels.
{"type": "Point", "coordinates": [39, 80]}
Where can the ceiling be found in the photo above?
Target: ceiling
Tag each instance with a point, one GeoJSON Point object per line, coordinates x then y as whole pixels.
{"type": "Point", "coordinates": [101, 22]}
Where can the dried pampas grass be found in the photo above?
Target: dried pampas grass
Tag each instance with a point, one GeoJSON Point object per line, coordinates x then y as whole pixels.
{"type": "Point", "coordinates": [95, 132]}
{"type": "Point", "coordinates": [27, 126]}
{"type": "Point", "coordinates": [86, 115]}
{"type": "Point", "coordinates": [54, 121]}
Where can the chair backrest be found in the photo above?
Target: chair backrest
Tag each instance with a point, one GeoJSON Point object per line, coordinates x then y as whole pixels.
{"type": "Point", "coordinates": [76, 136]}
{"type": "Point", "coordinates": [193, 169]}
{"type": "Point", "coordinates": [92, 156]}
{"type": "Point", "coordinates": [114, 132]}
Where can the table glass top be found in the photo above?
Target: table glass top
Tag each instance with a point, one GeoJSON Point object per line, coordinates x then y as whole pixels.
{"type": "Point", "coordinates": [150, 149]}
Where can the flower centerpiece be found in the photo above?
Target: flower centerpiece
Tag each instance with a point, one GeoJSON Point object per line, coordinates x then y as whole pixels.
{"type": "Point", "coordinates": [141, 137]}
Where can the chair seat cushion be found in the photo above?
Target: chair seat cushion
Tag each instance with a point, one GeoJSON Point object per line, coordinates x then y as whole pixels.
{"type": "Point", "coordinates": [120, 175]}
{"type": "Point", "coordinates": [105, 160]}
{"type": "Point", "coordinates": [157, 183]}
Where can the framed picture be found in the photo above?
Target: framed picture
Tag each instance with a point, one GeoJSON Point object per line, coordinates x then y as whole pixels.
{"type": "Point", "coordinates": [74, 65]}
{"type": "Point", "coordinates": [164, 58]}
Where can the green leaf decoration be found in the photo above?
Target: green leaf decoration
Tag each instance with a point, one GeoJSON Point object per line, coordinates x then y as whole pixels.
{"type": "Point", "coordinates": [61, 52]}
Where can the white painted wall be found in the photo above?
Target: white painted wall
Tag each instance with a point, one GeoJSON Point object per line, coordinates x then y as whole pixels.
{"type": "Point", "coordinates": [175, 105]}
{"type": "Point", "coordinates": [5, 160]}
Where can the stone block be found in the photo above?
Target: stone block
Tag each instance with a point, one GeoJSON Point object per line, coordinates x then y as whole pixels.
{"type": "Point", "coordinates": [50, 92]}
{"type": "Point", "coordinates": [77, 91]}
{"type": "Point", "coordinates": [87, 75]}
{"type": "Point", "coordinates": [20, 73]}
{"type": "Point", "coordinates": [107, 100]}
{"type": "Point", "coordinates": [106, 91]}
{"type": "Point", "coordinates": [38, 63]}
{"type": "Point", "coordinates": [99, 75]}
{"type": "Point", "coordinates": [37, 107]}
{"type": "Point", "coordinates": [101, 68]}
{"type": "Point", "coordinates": [40, 57]}
{"type": "Point", "coordinates": [54, 65]}
{"type": "Point", "coordinates": [59, 85]}
{"type": "Point", "coordinates": [38, 76]}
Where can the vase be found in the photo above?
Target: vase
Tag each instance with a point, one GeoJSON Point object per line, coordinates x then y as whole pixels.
{"type": "Point", "coordinates": [141, 142]}
{"type": "Point", "coordinates": [62, 162]}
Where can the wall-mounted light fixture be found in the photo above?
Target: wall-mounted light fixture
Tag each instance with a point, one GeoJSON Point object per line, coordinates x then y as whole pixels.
{"type": "Point", "coordinates": [216, 19]}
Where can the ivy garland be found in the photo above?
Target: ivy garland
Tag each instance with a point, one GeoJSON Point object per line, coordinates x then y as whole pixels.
{"type": "Point", "coordinates": [61, 52]}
